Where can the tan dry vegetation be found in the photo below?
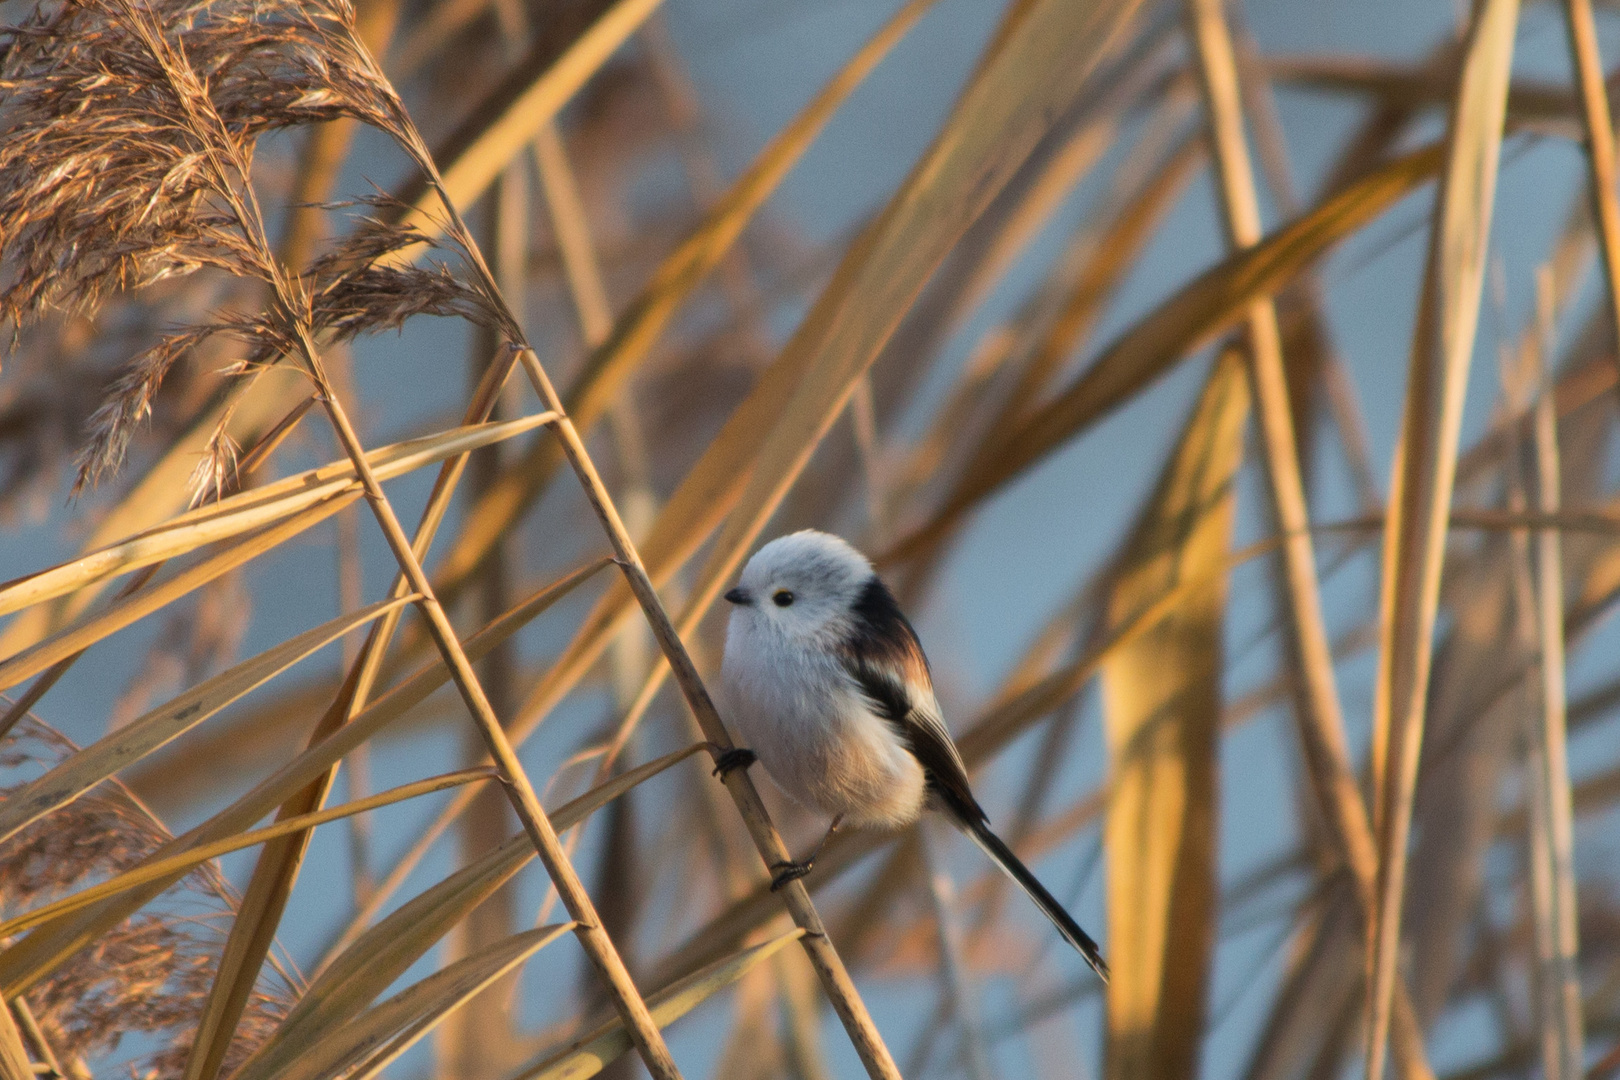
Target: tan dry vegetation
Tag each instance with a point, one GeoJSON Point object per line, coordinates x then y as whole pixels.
{"type": "Point", "coordinates": [196, 278]}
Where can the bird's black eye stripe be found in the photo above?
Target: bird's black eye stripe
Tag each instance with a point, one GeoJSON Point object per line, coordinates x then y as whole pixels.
{"type": "Point", "coordinates": [783, 598]}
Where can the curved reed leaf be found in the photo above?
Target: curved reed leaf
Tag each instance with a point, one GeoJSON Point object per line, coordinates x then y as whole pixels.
{"type": "Point", "coordinates": [386, 951]}
{"type": "Point", "coordinates": [398, 1022]}
{"type": "Point", "coordinates": [164, 869]}
{"type": "Point", "coordinates": [677, 277]}
{"type": "Point", "coordinates": [1161, 704]}
{"type": "Point", "coordinates": [591, 1054]}
{"type": "Point", "coordinates": [1203, 308]}
{"type": "Point", "coordinates": [155, 729]}
{"type": "Point", "coordinates": [41, 951]}
{"type": "Point", "coordinates": [252, 509]}
{"type": "Point", "coordinates": [1425, 469]}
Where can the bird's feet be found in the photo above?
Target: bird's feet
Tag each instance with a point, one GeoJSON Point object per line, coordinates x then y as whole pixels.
{"type": "Point", "coordinates": [737, 757]}
{"type": "Point", "coordinates": [785, 872]}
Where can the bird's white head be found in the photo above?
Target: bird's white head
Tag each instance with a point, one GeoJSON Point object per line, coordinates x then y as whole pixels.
{"type": "Point", "coordinates": [803, 586]}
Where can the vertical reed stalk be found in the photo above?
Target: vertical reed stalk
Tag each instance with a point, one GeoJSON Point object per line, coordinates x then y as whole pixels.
{"type": "Point", "coordinates": [956, 984]}
{"type": "Point", "coordinates": [1600, 155]}
{"type": "Point", "coordinates": [1562, 978]}
{"type": "Point", "coordinates": [1416, 524]}
{"type": "Point", "coordinates": [1321, 720]}
{"type": "Point", "coordinates": [14, 1063]}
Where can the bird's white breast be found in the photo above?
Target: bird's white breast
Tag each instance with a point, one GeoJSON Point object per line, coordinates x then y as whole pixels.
{"type": "Point", "coordinates": [817, 736]}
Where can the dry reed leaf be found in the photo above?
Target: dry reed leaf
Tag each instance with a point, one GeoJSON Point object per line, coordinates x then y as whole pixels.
{"type": "Point", "coordinates": [1162, 703]}
{"type": "Point", "coordinates": [1420, 493]}
{"type": "Point", "coordinates": [140, 604]}
{"type": "Point", "coordinates": [1600, 154]}
{"type": "Point", "coordinates": [1116, 248]}
{"type": "Point", "coordinates": [253, 509]}
{"type": "Point", "coordinates": [276, 871]}
{"type": "Point", "coordinates": [90, 766]}
{"type": "Point", "coordinates": [1206, 306]}
{"type": "Point", "coordinates": [1039, 60]}
{"type": "Point", "coordinates": [258, 915]}
{"type": "Point", "coordinates": [590, 1055]}
{"type": "Point", "coordinates": [166, 868]}
{"type": "Point", "coordinates": [503, 126]}
{"type": "Point", "coordinates": [399, 1022]}
{"type": "Point", "coordinates": [1013, 364]}
{"type": "Point", "coordinates": [47, 946]}
{"type": "Point", "coordinates": [613, 362]}
{"type": "Point", "coordinates": [14, 1063]}
{"type": "Point", "coordinates": [1530, 102]}
{"type": "Point", "coordinates": [163, 491]}
{"type": "Point", "coordinates": [1035, 65]}
{"type": "Point", "coordinates": [428, 917]}
{"type": "Point", "coordinates": [382, 953]}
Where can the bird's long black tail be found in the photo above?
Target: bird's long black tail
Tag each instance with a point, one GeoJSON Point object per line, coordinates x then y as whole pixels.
{"type": "Point", "coordinates": [1002, 854]}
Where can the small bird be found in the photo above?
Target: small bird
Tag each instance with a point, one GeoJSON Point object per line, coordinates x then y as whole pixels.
{"type": "Point", "coordinates": [827, 684]}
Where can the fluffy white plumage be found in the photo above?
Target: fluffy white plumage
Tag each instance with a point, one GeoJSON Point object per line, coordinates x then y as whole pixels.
{"type": "Point", "coordinates": [790, 695]}
{"type": "Point", "coordinates": [827, 686]}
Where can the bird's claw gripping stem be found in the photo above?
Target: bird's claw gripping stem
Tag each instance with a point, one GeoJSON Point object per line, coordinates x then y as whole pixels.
{"type": "Point", "coordinates": [789, 871]}
{"type": "Point", "coordinates": [737, 757]}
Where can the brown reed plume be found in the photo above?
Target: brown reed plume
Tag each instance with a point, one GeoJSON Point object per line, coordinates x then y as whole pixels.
{"type": "Point", "coordinates": [127, 139]}
{"type": "Point", "coordinates": [149, 977]}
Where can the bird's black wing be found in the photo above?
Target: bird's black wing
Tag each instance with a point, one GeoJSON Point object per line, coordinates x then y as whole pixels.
{"type": "Point", "coordinates": [884, 657]}
{"type": "Point", "coordinates": [886, 661]}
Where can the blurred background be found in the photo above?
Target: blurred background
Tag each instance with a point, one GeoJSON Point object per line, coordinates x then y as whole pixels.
{"type": "Point", "coordinates": [1027, 517]}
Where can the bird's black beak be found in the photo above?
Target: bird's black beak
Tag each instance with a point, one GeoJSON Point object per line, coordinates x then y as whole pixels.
{"type": "Point", "coordinates": [739, 596]}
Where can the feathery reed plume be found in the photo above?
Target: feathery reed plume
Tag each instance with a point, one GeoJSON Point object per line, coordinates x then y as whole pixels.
{"type": "Point", "coordinates": [127, 138]}
{"type": "Point", "coordinates": [152, 973]}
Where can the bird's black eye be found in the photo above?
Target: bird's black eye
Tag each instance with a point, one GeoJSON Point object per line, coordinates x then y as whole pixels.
{"type": "Point", "coordinates": [783, 598]}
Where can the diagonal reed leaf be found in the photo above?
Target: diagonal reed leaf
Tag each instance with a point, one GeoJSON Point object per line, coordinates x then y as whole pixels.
{"type": "Point", "coordinates": [502, 127]}
{"type": "Point", "coordinates": [251, 510]}
{"type": "Point", "coordinates": [1035, 68]}
{"type": "Point", "coordinates": [380, 955]}
{"type": "Point", "coordinates": [14, 1063]}
{"type": "Point", "coordinates": [162, 492]}
{"type": "Point", "coordinates": [596, 1051]}
{"type": "Point", "coordinates": [1209, 304]}
{"type": "Point", "coordinates": [41, 951]}
{"type": "Point", "coordinates": [166, 868]}
{"type": "Point", "coordinates": [398, 1022]}
{"type": "Point", "coordinates": [84, 770]}
{"type": "Point", "coordinates": [644, 320]}
{"type": "Point", "coordinates": [138, 605]}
